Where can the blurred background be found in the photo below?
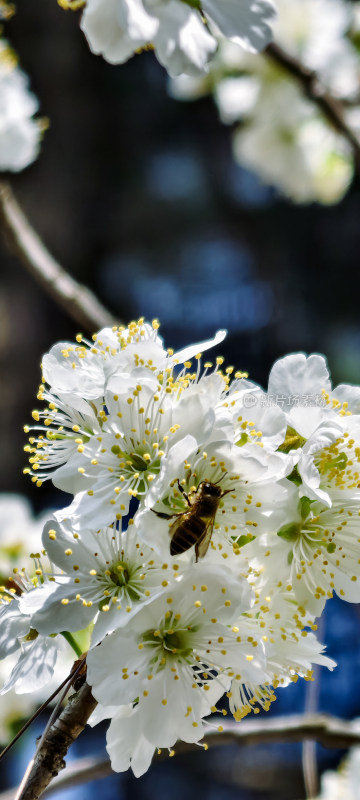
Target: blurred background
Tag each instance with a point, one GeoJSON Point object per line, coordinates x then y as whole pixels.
{"type": "Point", "coordinates": [138, 196]}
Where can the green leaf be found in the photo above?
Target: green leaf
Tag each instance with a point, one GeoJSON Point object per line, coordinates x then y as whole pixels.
{"type": "Point", "coordinates": [304, 507]}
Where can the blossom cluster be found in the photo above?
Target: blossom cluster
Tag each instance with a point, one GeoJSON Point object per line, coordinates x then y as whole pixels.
{"type": "Point", "coordinates": [211, 521]}
{"type": "Point", "coordinates": [278, 133]}
{"type": "Point", "coordinates": [20, 132]}
{"type": "Point", "coordinates": [181, 32]}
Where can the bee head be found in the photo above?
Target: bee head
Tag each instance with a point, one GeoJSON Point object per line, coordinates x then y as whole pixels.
{"type": "Point", "coordinates": [211, 489]}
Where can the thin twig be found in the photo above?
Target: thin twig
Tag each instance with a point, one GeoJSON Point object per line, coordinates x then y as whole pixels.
{"type": "Point", "coordinates": [329, 731]}
{"type": "Point", "coordinates": [309, 760]}
{"type": "Point", "coordinates": [309, 750]}
{"type": "Point", "coordinates": [312, 84]}
{"type": "Point", "coordinates": [41, 708]}
{"type": "Point", "coordinates": [77, 300]}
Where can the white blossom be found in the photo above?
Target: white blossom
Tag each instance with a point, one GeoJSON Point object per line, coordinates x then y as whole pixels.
{"type": "Point", "coordinates": [176, 648]}
{"type": "Point", "coordinates": [83, 378]}
{"type": "Point", "coordinates": [243, 519]}
{"type": "Point", "coordinates": [17, 707]}
{"type": "Point", "coordinates": [135, 438]}
{"type": "Point", "coordinates": [105, 575]}
{"type": "Point", "coordinates": [314, 553]}
{"type": "Point", "coordinates": [84, 368]}
{"type": "Point", "coordinates": [36, 655]}
{"type": "Point", "coordinates": [176, 30]}
{"type": "Point", "coordinates": [291, 649]}
{"type": "Point", "coordinates": [125, 742]}
{"type": "Point", "coordinates": [242, 473]}
{"type": "Point", "coordinates": [20, 133]}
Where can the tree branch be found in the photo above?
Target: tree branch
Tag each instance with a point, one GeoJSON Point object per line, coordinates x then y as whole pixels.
{"type": "Point", "coordinates": [327, 730]}
{"type": "Point", "coordinates": [49, 758]}
{"type": "Point", "coordinates": [331, 108]}
{"type": "Point", "coordinates": [77, 300]}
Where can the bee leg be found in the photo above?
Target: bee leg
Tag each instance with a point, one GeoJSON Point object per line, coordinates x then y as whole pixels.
{"type": "Point", "coordinates": [197, 552]}
{"type": "Point", "coordinates": [162, 515]}
{"type": "Point", "coordinates": [182, 490]}
{"type": "Point", "coordinates": [221, 478]}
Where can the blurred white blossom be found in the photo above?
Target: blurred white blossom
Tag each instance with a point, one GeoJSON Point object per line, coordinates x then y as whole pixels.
{"type": "Point", "coordinates": [279, 133]}
{"type": "Point", "coordinates": [20, 533]}
{"type": "Point", "coordinates": [20, 133]}
{"type": "Point", "coordinates": [292, 147]}
{"type": "Point", "coordinates": [180, 32]}
{"type": "Point", "coordinates": [17, 707]}
{"type": "Point", "coordinates": [342, 784]}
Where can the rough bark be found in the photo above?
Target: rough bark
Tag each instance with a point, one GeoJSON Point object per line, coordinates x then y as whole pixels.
{"type": "Point", "coordinates": [49, 759]}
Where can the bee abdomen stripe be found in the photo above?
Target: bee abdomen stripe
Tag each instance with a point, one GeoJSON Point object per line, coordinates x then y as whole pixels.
{"type": "Point", "coordinates": [187, 535]}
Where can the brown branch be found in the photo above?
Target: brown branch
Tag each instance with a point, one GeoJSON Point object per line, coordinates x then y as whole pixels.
{"type": "Point", "coordinates": [331, 108]}
{"type": "Point", "coordinates": [309, 750]}
{"type": "Point", "coordinates": [329, 731]}
{"type": "Point", "coordinates": [325, 729]}
{"type": "Point", "coordinates": [77, 300]}
{"type": "Point", "coordinates": [49, 757]}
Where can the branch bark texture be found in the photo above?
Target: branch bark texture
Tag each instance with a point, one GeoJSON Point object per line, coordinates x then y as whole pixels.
{"type": "Point", "coordinates": [77, 300]}
{"type": "Point", "coordinates": [49, 759]}
{"type": "Point", "coordinates": [331, 108]}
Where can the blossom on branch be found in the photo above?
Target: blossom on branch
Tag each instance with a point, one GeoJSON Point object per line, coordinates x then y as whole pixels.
{"type": "Point", "coordinates": [280, 131]}
{"type": "Point", "coordinates": [211, 521]}
{"type": "Point", "coordinates": [182, 32]}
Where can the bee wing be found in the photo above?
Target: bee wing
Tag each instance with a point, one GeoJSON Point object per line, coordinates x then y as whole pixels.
{"type": "Point", "coordinates": [202, 545]}
{"type": "Point", "coordinates": [177, 523]}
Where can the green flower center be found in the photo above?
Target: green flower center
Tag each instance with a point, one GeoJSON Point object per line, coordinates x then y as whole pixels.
{"type": "Point", "coordinates": [119, 573]}
{"type": "Point", "coordinates": [290, 532]}
{"type": "Point", "coordinates": [137, 463]}
{"type": "Point", "coordinates": [177, 642]}
{"type": "Point", "coordinates": [123, 576]}
{"type": "Point", "coordinates": [171, 642]}
{"type": "Point", "coordinates": [310, 530]}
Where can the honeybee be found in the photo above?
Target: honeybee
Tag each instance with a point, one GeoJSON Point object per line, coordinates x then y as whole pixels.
{"type": "Point", "coordinates": [195, 526]}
